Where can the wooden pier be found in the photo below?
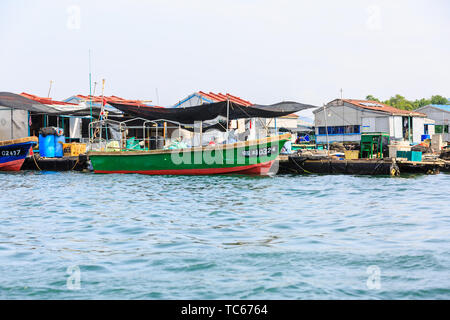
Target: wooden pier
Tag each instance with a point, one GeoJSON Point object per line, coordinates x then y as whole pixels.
{"type": "Point", "coordinates": [306, 165]}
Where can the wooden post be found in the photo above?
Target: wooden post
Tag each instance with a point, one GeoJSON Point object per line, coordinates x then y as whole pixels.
{"type": "Point", "coordinates": [326, 128]}
{"type": "Point", "coordinates": [164, 133]}
{"type": "Point", "coordinates": [201, 133]}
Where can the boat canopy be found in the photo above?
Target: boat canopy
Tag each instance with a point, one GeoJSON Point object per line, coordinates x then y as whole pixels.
{"type": "Point", "coordinates": [218, 110]}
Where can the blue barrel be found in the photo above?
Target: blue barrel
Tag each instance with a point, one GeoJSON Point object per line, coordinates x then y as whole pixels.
{"type": "Point", "coordinates": [47, 146]}
{"type": "Point", "coordinates": [425, 137]}
{"type": "Point", "coordinates": [59, 140]}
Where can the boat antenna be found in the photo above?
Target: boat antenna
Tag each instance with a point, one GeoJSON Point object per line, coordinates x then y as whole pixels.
{"type": "Point", "coordinates": [228, 117]}
{"type": "Point", "coordinates": [90, 89]}
{"type": "Point", "coordinates": [157, 96]}
{"type": "Point", "coordinates": [50, 88]}
{"type": "Point", "coordinates": [326, 127]}
{"type": "Point", "coordinates": [102, 111]}
{"type": "Point", "coordinates": [95, 86]}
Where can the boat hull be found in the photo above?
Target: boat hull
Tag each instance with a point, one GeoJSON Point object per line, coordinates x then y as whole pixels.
{"type": "Point", "coordinates": [251, 158]}
{"type": "Point", "coordinates": [14, 152]}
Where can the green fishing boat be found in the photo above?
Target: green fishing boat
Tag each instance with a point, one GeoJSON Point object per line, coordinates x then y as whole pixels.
{"type": "Point", "coordinates": [237, 155]}
{"type": "Point", "coordinates": [247, 157]}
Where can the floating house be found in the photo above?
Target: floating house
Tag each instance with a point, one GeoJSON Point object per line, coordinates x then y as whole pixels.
{"type": "Point", "coordinates": [60, 120]}
{"type": "Point", "coordinates": [441, 115]}
{"type": "Point", "coordinates": [343, 120]}
{"type": "Point", "coordinates": [24, 114]}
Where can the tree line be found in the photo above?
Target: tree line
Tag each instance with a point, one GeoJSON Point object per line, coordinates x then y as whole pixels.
{"type": "Point", "coordinates": [401, 102]}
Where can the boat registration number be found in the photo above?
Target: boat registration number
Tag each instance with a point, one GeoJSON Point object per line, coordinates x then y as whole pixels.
{"type": "Point", "coordinates": [10, 153]}
{"type": "Point", "coordinates": [259, 152]}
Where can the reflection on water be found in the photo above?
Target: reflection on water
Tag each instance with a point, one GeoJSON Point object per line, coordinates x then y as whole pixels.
{"type": "Point", "coordinates": [223, 237]}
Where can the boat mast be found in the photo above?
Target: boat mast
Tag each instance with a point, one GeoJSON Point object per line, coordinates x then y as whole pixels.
{"type": "Point", "coordinates": [50, 89]}
{"type": "Point", "coordinates": [102, 112]}
{"type": "Point", "coordinates": [326, 127]}
{"type": "Point", "coordinates": [90, 90]}
{"type": "Point", "coordinates": [228, 118]}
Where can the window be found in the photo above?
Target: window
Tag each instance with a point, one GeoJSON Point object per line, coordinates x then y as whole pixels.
{"type": "Point", "coordinates": [337, 130]}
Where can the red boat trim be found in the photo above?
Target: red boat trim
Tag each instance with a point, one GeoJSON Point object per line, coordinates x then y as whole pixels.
{"type": "Point", "coordinates": [259, 168]}
{"type": "Point", "coordinates": [14, 165]}
{"type": "Point", "coordinates": [263, 169]}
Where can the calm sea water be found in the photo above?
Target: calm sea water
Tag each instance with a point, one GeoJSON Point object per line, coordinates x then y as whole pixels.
{"type": "Point", "coordinates": [224, 237]}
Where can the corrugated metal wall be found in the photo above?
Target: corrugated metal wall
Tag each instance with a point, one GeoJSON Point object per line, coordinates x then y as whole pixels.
{"type": "Point", "coordinates": [13, 124]}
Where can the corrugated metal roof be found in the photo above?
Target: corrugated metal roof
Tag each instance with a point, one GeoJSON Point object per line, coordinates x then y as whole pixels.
{"type": "Point", "coordinates": [217, 97]}
{"type": "Point", "coordinates": [45, 100]}
{"type": "Point", "coordinates": [116, 99]}
{"type": "Point", "coordinates": [378, 106]}
{"type": "Point", "coordinates": [444, 107]}
{"type": "Point", "coordinates": [112, 99]}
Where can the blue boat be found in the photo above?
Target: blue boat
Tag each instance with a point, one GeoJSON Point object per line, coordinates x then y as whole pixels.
{"type": "Point", "coordinates": [14, 152]}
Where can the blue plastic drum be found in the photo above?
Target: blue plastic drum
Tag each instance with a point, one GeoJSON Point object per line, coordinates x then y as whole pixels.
{"type": "Point", "coordinates": [47, 146]}
{"type": "Point", "coordinates": [59, 140]}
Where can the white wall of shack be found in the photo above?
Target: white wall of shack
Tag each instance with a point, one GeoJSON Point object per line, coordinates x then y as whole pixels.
{"type": "Point", "coordinates": [75, 128]}
{"type": "Point", "coordinates": [418, 129]}
{"type": "Point", "coordinates": [337, 116]}
{"type": "Point", "coordinates": [396, 130]}
{"type": "Point", "coordinates": [13, 125]}
{"type": "Point", "coordinates": [345, 115]}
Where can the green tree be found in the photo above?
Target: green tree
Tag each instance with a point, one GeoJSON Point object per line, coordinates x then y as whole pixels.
{"type": "Point", "coordinates": [421, 103]}
{"type": "Point", "coordinates": [400, 102]}
{"type": "Point", "coordinates": [437, 99]}
{"type": "Point", "coordinates": [372, 98]}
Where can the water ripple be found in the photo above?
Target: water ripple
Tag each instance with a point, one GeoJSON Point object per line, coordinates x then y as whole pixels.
{"type": "Point", "coordinates": [223, 237]}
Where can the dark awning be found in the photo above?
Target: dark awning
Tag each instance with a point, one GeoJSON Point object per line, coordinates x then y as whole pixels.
{"type": "Point", "coordinates": [211, 111]}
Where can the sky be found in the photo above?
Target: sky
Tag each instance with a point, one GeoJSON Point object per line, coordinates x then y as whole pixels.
{"type": "Point", "coordinates": [263, 51]}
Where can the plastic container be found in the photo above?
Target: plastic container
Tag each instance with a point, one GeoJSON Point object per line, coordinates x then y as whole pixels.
{"type": "Point", "coordinates": [74, 149]}
{"type": "Point", "coordinates": [59, 147]}
{"type": "Point", "coordinates": [47, 146]}
{"type": "Point", "coordinates": [424, 137]}
{"type": "Point", "coordinates": [416, 156]}
{"type": "Point", "coordinates": [410, 155]}
{"type": "Point", "coordinates": [351, 154]}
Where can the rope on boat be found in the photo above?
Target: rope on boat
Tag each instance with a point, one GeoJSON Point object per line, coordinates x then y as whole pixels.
{"type": "Point", "coordinates": [35, 162]}
{"type": "Point", "coordinates": [304, 170]}
{"type": "Point", "coordinates": [75, 164]}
